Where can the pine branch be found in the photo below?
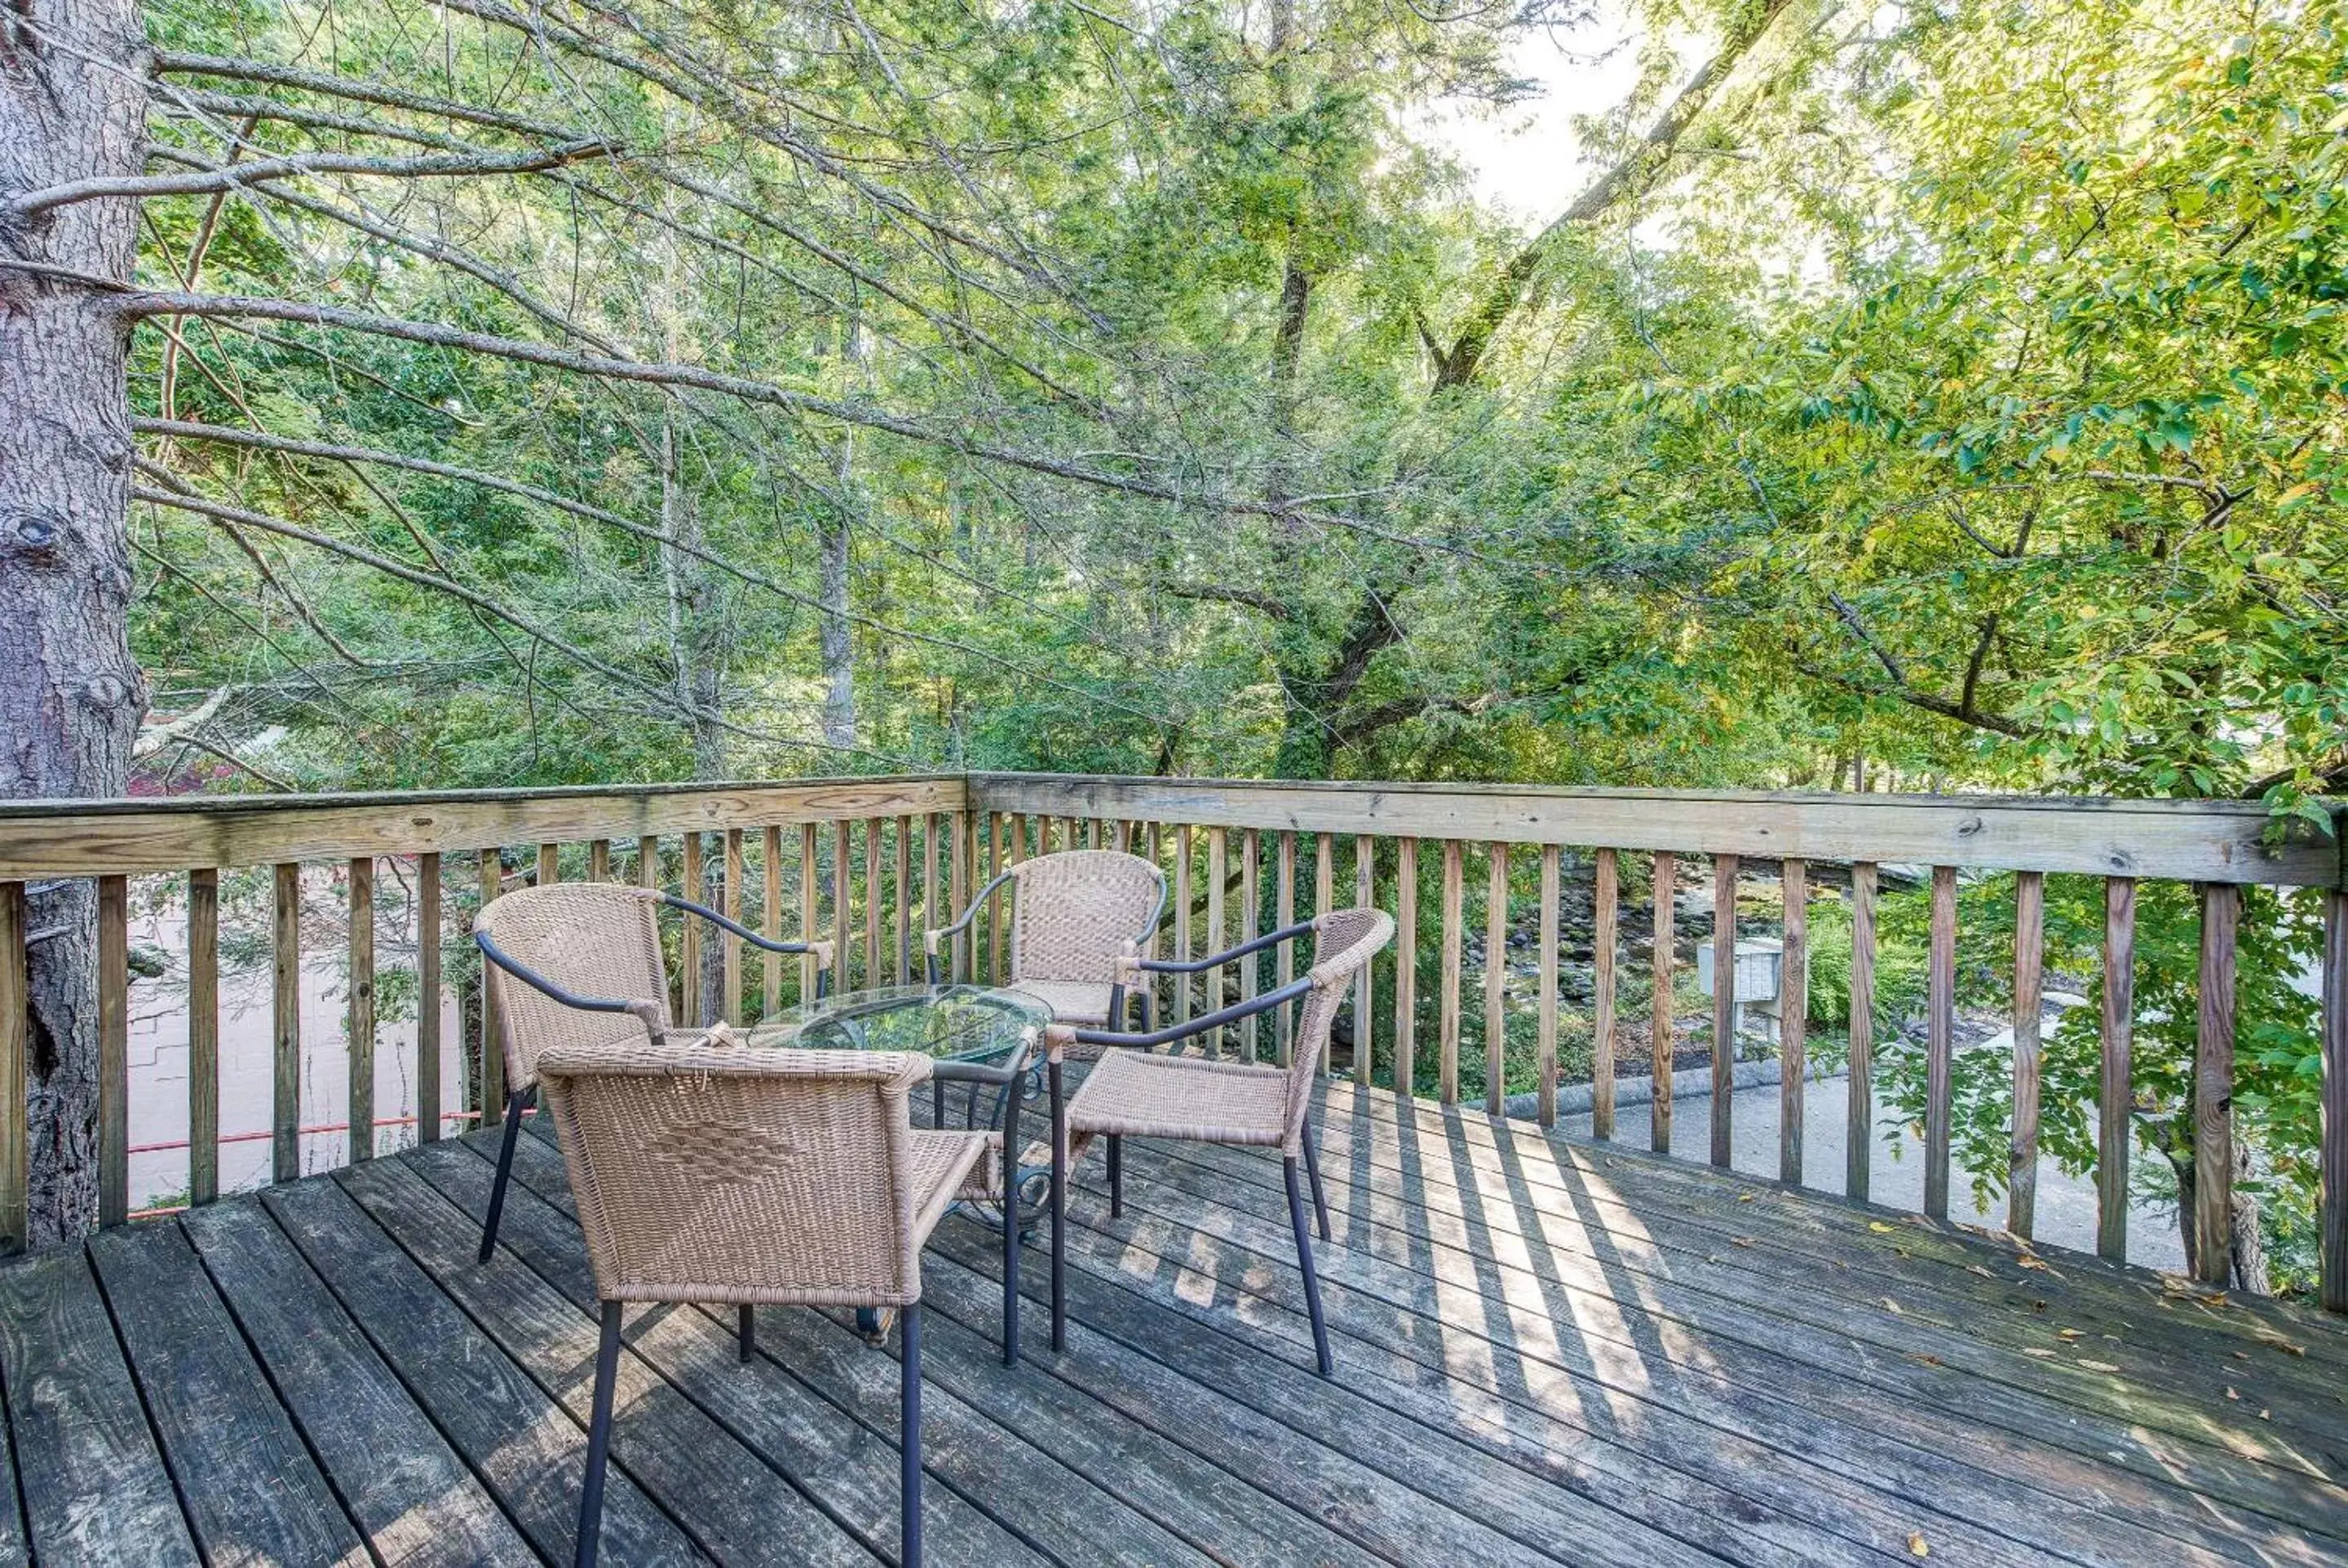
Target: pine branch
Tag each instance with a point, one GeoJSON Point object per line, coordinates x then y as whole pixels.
{"type": "Point", "coordinates": [207, 182]}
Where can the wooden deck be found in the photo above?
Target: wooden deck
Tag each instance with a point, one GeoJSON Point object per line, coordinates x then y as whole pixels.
{"type": "Point", "coordinates": [1547, 1353]}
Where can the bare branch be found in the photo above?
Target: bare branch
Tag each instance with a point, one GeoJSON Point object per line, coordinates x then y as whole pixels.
{"type": "Point", "coordinates": [228, 68]}
{"type": "Point", "coordinates": [206, 182]}
{"type": "Point", "coordinates": [1218, 593]}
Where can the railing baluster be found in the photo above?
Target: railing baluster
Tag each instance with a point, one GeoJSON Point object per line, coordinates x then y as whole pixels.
{"type": "Point", "coordinates": [15, 1135]}
{"type": "Point", "coordinates": [1005, 856]}
{"type": "Point", "coordinates": [1496, 979]}
{"type": "Point", "coordinates": [933, 829]}
{"type": "Point", "coordinates": [203, 1035]}
{"type": "Point", "coordinates": [427, 997]}
{"type": "Point", "coordinates": [1218, 851]}
{"type": "Point", "coordinates": [1793, 1018]}
{"type": "Point", "coordinates": [359, 1019]}
{"type": "Point", "coordinates": [902, 905]}
{"type": "Point", "coordinates": [1455, 891]}
{"type": "Point", "coordinates": [770, 919]}
{"type": "Point", "coordinates": [1250, 927]}
{"type": "Point", "coordinates": [1723, 1008]}
{"type": "Point", "coordinates": [2333, 1224]}
{"type": "Point", "coordinates": [1324, 899]}
{"type": "Point", "coordinates": [1544, 1063]}
{"type": "Point", "coordinates": [1605, 919]}
{"type": "Point", "coordinates": [1182, 918]}
{"type": "Point", "coordinates": [1660, 1048]}
{"type": "Point", "coordinates": [964, 868]}
{"type": "Point", "coordinates": [810, 893]}
{"type": "Point", "coordinates": [599, 860]}
{"type": "Point", "coordinates": [550, 865]}
{"type": "Point", "coordinates": [286, 1021]}
{"type": "Point", "coordinates": [843, 858]}
{"type": "Point", "coordinates": [873, 901]}
{"type": "Point", "coordinates": [1283, 915]}
{"type": "Point", "coordinates": [1859, 1130]}
{"type": "Point", "coordinates": [689, 948]}
{"type": "Point", "coordinates": [1940, 1041]}
{"type": "Point", "coordinates": [730, 947]}
{"type": "Point", "coordinates": [2029, 998]}
{"type": "Point", "coordinates": [2213, 1086]}
{"type": "Point", "coordinates": [113, 1049]}
{"type": "Point", "coordinates": [1405, 988]}
{"type": "Point", "coordinates": [493, 1062]}
{"type": "Point", "coordinates": [1365, 990]}
{"type": "Point", "coordinates": [647, 860]}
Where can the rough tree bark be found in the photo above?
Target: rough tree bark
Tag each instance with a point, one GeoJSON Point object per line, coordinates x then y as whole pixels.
{"type": "Point", "coordinates": [72, 106]}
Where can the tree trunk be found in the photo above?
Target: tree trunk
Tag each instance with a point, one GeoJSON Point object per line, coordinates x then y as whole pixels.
{"type": "Point", "coordinates": [697, 648]}
{"type": "Point", "coordinates": [72, 106]}
{"type": "Point", "coordinates": [837, 647]}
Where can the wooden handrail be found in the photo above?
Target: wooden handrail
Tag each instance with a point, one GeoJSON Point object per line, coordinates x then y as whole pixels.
{"type": "Point", "coordinates": [2188, 841]}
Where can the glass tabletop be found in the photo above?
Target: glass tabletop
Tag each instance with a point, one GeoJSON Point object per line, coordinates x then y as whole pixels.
{"type": "Point", "coordinates": [948, 1023]}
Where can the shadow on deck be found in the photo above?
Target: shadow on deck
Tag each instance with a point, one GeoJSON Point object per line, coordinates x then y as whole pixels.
{"type": "Point", "coordinates": [1548, 1352]}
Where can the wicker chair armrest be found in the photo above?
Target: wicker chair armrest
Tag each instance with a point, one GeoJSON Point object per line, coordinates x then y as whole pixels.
{"type": "Point", "coordinates": [647, 1012]}
{"type": "Point", "coordinates": [1229, 955]}
{"type": "Point", "coordinates": [823, 950]}
{"type": "Point", "coordinates": [1200, 1025]}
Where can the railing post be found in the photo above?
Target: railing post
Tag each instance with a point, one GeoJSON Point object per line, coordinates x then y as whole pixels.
{"type": "Point", "coordinates": [1723, 1008]}
{"type": "Point", "coordinates": [873, 970]}
{"type": "Point", "coordinates": [2029, 999]}
{"type": "Point", "coordinates": [1406, 990]}
{"type": "Point", "coordinates": [1496, 979]}
{"type": "Point", "coordinates": [1858, 1129]}
{"type": "Point", "coordinates": [810, 917]}
{"type": "Point", "coordinates": [1793, 1018]}
{"type": "Point", "coordinates": [901, 931]}
{"type": "Point", "coordinates": [770, 919]}
{"type": "Point", "coordinates": [203, 1035]}
{"type": "Point", "coordinates": [113, 1049]}
{"type": "Point", "coordinates": [1940, 1037]}
{"type": "Point", "coordinates": [2213, 1086]}
{"type": "Point", "coordinates": [1446, 1063]}
{"type": "Point", "coordinates": [16, 1141]}
{"type": "Point", "coordinates": [1250, 927]}
{"type": "Point", "coordinates": [1217, 868]}
{"type": "Point", "coordinates": [2335, 1268]}
{"type": "Point", "coordinates": [359, 1012]}
{"type": "Point", "coordinates": [1606, 895]}
{"type": "Point", "coordinates": [730, 949]}
{"type": "Point", "coordinates": [427, 997]}
{"type": "Point", "coordinates": [2117, 1095]}
{"type": "Point", "coordinates": [688, 980]}
{"type": "Point", "coordinates": [1545, 1062]}
{"type": "Point", "coordinates": [1324, 895]}
{"type": "Point", "coordinates": [1283, 915]}
{"type": "Point", "coordinates": [286, 1018]}
{"type": "Point", "coordinates": [1660, 1040]}
{"type": "Point", "coordinates": [1365, 990]}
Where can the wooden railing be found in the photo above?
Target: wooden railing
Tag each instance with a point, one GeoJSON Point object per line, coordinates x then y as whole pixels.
{"type": "Point", "coordinates": [870, 862]}
{"type": "Point", "coordinates": [1385, 830]}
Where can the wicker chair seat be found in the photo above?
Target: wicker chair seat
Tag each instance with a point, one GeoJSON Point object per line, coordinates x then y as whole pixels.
{"type": "Point", "coordinates": [1133, 1095]}
{"type": "Point", "coordinates": [946, 1167]}
{"type": "Point", "coordinates": [1071, 1001]}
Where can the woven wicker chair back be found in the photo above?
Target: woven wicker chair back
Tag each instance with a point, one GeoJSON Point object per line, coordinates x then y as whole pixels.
{"type": "Point", "coordinates": [1343, 940]}
{"type": "Point", "coordinates": [1076, 911]}
{"type": "Point", "coordinates": [593, 938]}
{"type": "Point", "coordinates": [737, 1173]}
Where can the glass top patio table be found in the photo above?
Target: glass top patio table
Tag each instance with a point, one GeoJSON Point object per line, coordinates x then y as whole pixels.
{"type": "Point", "coordinates": [946, 1023]}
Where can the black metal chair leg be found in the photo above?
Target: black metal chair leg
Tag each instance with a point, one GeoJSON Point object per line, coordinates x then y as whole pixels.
{"type": "Point", "coordinates": [1312, 1172]}
{"type": "Point", "coordinates": [749, 1331]}
{"type": "Point", "coordinates": [514, 1103]}
{"type": "Point", "coordinates": [909, 1443]}
{"type": "Point", "coordinates": [598, 1438]}
{"type": "Point", "coordinates": [1304, 1261]}
{"type": "Point", "coordinates": [1115, 1176]}
{"type": "Point", "coordinates": [1059, 1214]}
{"type": "Point", "coordinates": [1010, 1228]}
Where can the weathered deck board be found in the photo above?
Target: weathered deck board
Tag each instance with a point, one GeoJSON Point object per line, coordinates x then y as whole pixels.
{"type": "Point", "coordinates": [258, 1498]}
{"type": "Point", "coordinates": [1546, 1352]}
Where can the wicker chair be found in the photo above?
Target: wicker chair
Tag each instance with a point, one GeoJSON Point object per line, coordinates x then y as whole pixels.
{"type": "Point", "coordinates": [1207, 1099]}
{"type": "Point", "coordinates": [1074, 915]}
{"type": "Point", "coordinates": [706, 1171]}
{"type": "Point", "coordinates": [579, 963]}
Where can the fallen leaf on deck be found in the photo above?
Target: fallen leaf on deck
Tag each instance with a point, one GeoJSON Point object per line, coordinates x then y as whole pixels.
{"type": "Point", "coordinates": [1925, 1358]}
{"type": "Point", "coordinates": [1893, 1306]}
{"type": "Point", "coordinates": [2067, 1333]}
{"type": "Point", "coordinates": [2232, 1393]}
{"type": "Point", "coordinates": [1917, 1546]}
{"type": "Point", "coordinates": [2097, 1365]}
{"type": "Point", "coordinates": [1878, 1227]}
{"type": "Point", "coordinates": [1742, 1240]}
{"type": "Point", "coordinates": [2040, 1351]}
{"type": "Point", "coordinates": [1977, 1268]}
{"type": "Point", "coordinates": [1745, 1197]}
